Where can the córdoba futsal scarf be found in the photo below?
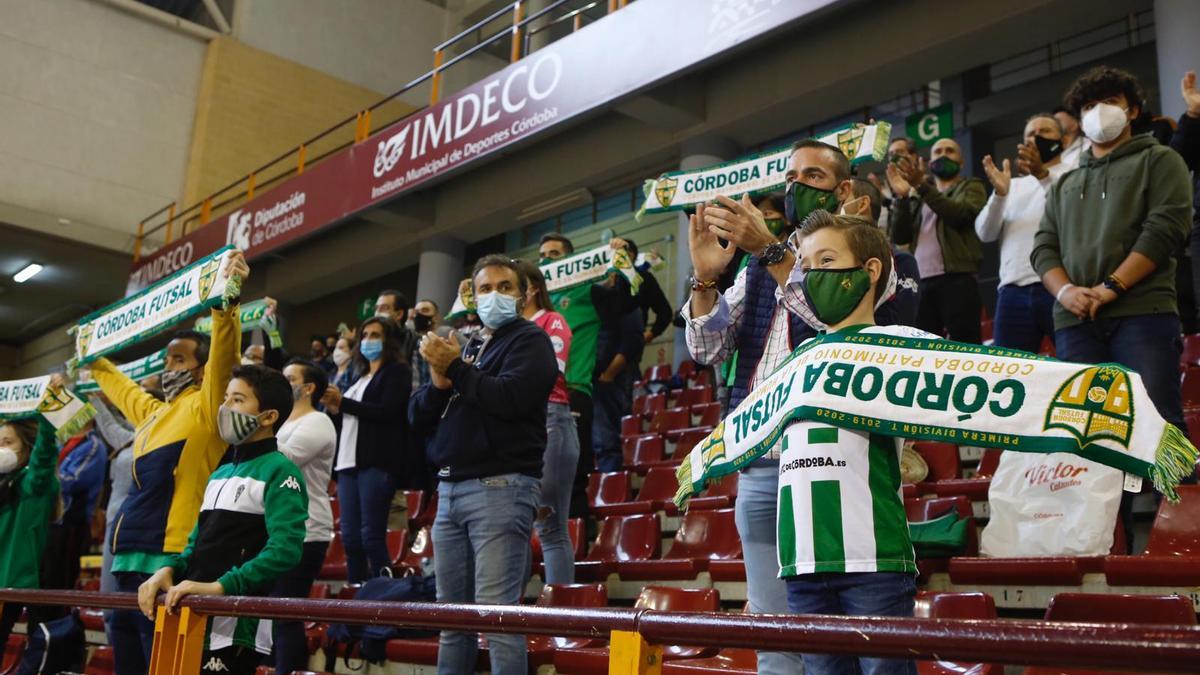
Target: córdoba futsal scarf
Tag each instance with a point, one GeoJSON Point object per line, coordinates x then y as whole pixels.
{"type": "Point", "coordinates": [61, 408]}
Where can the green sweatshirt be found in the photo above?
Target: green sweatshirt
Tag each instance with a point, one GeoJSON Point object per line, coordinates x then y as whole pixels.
{"type": "Point", "coordinates": [250, 531]}
{"type": "Point", "coordinates": [1136, 198]}
{"type": "Point", "coordinates": [25, 518]}
{"type": "Point", "coordinates": [956, 209]}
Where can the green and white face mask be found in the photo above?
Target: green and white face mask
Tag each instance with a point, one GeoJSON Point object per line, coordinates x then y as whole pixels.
{"type": "Point", "coordinates": [834, 293]}
{"type": "Point", "coordinates": [234, 426]}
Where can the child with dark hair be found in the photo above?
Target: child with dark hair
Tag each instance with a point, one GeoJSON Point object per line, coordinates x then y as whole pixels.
{"type": "Point", "coordinates": [251, 525]}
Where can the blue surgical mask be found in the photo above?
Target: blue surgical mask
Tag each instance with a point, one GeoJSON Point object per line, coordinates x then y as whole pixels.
{"type": "Point", "coordinates": [496, 309]}
{"type": "Point", "coordinates": [371, 349]}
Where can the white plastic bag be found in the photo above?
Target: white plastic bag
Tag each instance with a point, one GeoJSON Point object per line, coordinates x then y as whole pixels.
{"type": "Point", "coordinates": [1051, 505]}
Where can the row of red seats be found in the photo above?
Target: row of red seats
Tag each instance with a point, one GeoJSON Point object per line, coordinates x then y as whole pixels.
{"type": "Point", "coordinates": [611, 494]}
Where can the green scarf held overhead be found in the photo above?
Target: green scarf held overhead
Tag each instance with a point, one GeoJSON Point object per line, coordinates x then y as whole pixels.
{"type": "Point", "coordinates": [257, 315]}
{"type": "Point", "coordinates": [68, 413]}
{"type": "Point", "coordinates": [590, 266]}
{"type": "Point", "coordinates": [136, 370]}
{"type": "Point", "coordinates": [190, 291]}
{"type": "Point", "coordinates": [938, 390]}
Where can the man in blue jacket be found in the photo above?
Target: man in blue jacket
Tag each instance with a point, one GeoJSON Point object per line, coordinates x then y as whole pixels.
{"type": "Point", "coordinates": [490, 414]}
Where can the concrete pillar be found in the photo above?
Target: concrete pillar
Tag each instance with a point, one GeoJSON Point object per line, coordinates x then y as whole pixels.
{"type": "Point", "coordinates": [697, 153]}
{"type": "Point", "coordinates": [541, 38]}
{"type": "Point", "coordinates": [1177, 43]}
{"type": "Point", "coordinates": [441, 268]}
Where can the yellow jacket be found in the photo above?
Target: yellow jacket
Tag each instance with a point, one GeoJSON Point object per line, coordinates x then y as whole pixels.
{"type": "Point", "coordinates": [176, 447]}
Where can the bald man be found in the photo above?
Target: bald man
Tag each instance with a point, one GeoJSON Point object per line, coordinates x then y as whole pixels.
{"type": "Point", "coordinates": [937, 221]}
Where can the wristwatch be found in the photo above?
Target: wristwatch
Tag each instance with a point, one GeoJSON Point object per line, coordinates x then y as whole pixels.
{"type": "Point", "coordinates": [772, 254]}
{"type": "Point", "coordinates": [1112, 283]}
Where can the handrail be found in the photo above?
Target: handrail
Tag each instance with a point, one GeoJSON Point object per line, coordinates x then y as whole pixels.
{"type": "Point", "coordinates": [1018, 642]}
{"type": "Point", "coordinates": [206, 205]}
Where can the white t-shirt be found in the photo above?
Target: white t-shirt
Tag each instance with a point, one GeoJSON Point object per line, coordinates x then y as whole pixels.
{"type": "Point", "coordinates": [348, 454]}
{"type": "Point", "coordinates": [310, 443]}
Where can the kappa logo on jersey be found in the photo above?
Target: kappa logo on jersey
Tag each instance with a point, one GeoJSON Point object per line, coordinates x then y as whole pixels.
{"type": "Point", "coordinates": [291, 483]}
{"type": "Point", "coordinates": [238, 495]}
{"type": "Point", "coordinates": [215, 665]}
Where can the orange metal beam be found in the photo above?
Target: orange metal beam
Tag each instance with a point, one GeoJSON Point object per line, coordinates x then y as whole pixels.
{"type": "Point", "coordinates": [435, 88]}
{"type": "Point", "coordinates": [250, 187]}
{"type": "Point", "coordinates": [300, 159]}
{"type": "Point", "coordinates": [137, 242]}
{"type": "Point", "coordinates": [518, 14]}
{"type": "Point", "coordinates": [206, 211]}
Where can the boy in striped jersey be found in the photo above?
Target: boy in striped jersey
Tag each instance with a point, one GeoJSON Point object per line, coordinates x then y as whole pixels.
{"type": "Point", "coordinates": [844, 546]}
{"type": "Point", "coordinates": [251, 526]}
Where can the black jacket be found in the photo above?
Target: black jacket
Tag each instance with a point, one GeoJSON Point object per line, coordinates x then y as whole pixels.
{"type": "Point", "coordinates": [383, 439]}
{"type": "Point", "coordinates": [493, 420]}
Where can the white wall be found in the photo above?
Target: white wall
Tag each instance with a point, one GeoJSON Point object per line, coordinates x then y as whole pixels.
{"type": "Point", "coordinates": [378, 44]}
{"type": "Point", "coordinates": [96, 108]}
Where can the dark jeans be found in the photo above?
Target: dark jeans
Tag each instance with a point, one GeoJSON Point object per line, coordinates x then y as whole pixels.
{"type": "Point", "coordinates": [291, 647]}
{"type": "Point", "coordinates": [610, 401]}
{"type": "Point", "coordinates": [1024, 315]}
{"type": "Point", "coordinates": [1150, 345]}
{"type": "Point", "coordinates": [133, 633]}
{"type": "Point", "coordinates": [853, 594]}
{"type": "Point", "coordinates": [365, 498]}
{"type": "Point", "coordinates": [950, 306]}
{"type": "Point", "coordinates": [581, 407]}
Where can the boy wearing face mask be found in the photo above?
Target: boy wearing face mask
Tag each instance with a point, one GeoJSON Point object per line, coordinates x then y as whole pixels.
{"type": "Point", "coordinates": [251, 525]}
{"type": "Point", "coordinates": [1024, 310]}
{"type": "Point", "coordinates": [28, 497]}
{"type": "Point", "coordinates": [488, 445]}
{"type": "Point", "coordinates": [1108, 240]}
{"type": "Point", "coordinates": [176, 448]}
{"type": "Point", "coordinates": [937, 221]}
{"type": "Point", "coordinates": [844, 544]}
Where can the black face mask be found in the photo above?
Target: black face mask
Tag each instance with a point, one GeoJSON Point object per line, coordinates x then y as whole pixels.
{"type": "Point", "coordinates": [422, 323]}
{"type": "Point", "coordinates": [1048, 148]}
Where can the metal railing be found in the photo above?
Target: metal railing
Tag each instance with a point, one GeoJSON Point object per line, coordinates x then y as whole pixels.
{"type": "Point", "coordinates": [636, 635]}
{"type": "Point", "coordinates": [364, 121]}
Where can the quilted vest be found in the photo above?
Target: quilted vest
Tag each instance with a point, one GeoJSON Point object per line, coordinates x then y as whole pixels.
{"type": "Point", "coordinates": [760, 308]}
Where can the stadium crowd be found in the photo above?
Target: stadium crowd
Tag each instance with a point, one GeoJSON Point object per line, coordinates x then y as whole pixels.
{"type": "Point", "coordinates": [245, 472]}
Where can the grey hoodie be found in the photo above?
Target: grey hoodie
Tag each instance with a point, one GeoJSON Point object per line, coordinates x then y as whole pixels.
{"type": "Point", "coordinates": [1136, 198]}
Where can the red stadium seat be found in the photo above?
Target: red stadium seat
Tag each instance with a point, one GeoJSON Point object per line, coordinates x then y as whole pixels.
{"type": "Point", "coordinates": [670, 419]}
{"type": "Point", "coordinates": [702, 378]}
{"type": "Point", "coordinates": [687, 370]}
{"type": "Point", "coordinates": [657, 374]}
{"type": "Point", "coordinates": [707, 414]}
{"type": "Point", "coordinates": [648, 451]}
{"type": "Point", "coordinates": [93, 619]}
{"type": "Point", "coordinates": [658, 486]}
{"type": "Point", "coordinates": [928, 509]}
{"type": "Point", "coordinates": [100, 662]}
{"type": "Point", "coordinates": [690, 397]}
{"type": "Point", "coordinates": [932, 605]}
{"type": "Point", "coordinates": [595, 660]}
{"type": "Point", "coordinates": [12, 653]}
{"type": "Point", "coordinates": [421, 550]}
{"type": "Point", "coordinates": [396, 545]}
{"type": "Point", "coordinates": [621, 538]}
{"type": "Point", "coordinates": [1172, 556]}
{"type": "Point", "coordinates": [575, 531]}
{"type": "Point", "coordinates": [702, 536]}
{"type": "Point", "coordinates": [419, 512]}
{"type": "Point", "coordinates": [1190, 389]}
{"type": "Point", "coordinates": [631, 425]}
{"type": "Point", "coordinates": [611, 488]}
{"type": "Point", "coordinates": [942, 459]}
{"type": "Point", "coordinates": [686, 439]}
{"type": "Point", "coordinates": [1191, 351]}
{"type": "Point", "coordinates": [334, 566]}
{"type": "Point", "coordinates": [568, 595]}
{"type": "Point", "coordinates": [975, 489]}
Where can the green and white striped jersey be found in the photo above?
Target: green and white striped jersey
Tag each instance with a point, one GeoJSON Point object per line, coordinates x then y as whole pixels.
{"type": "Point", "coordinates": [840, 504]}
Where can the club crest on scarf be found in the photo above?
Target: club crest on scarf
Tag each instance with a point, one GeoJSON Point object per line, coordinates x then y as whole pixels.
{"type": "Point", "coordinates": [713, 447]}
{"type": "Point", "coordinates": [1094, 403]}
{"type": "Point", "coordinates": [53, 401]}
{"type": "Point", "coordinates": [208, 277]}
{"type": "Point", "coordinates": [664, 190]}
{"type": "Point", "coordinates": [83, 338]}
{"type": "Point", "coordinates": [850, 140]}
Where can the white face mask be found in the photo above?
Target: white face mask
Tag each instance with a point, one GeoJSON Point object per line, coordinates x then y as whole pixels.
{"type": "Point", "coordinates": [9, 461]}
{"type": "Point", "coordinates": [341, 357]}
{"type": "Point", "coordinates": [1104, 122]}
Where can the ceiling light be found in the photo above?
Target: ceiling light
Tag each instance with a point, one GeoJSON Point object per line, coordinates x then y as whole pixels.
{"type": "Point", "coordinates": [27, 273]}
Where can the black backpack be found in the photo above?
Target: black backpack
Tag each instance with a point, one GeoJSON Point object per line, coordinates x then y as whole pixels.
{"type": "Point", "coordinates": [372, 639]}
{"type": "Point", "coordinates": [55, 647]}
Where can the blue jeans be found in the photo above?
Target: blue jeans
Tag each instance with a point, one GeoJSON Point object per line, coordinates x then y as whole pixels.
{"type": "Point", "coordinates": [482, 533]}
{"type": "Point", "coordinates": [610, 401]}
{"type": "Point", "coordinates": [1149, 345]}
{"type": "Point", "coordinates": [291, 645]}
{"type": "Point", "coordinates": [1024, 315]}
{"type": "Point", "coordinates": [132, 632]}
{"type": "Point", "coordinates": [558, 475]}
{"type": "Point", "coordinates": [853, 594]}
{"type": "Point", "coordinates": [754, 513]}
{"type": "Point", "coordinates": [365, 498]}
